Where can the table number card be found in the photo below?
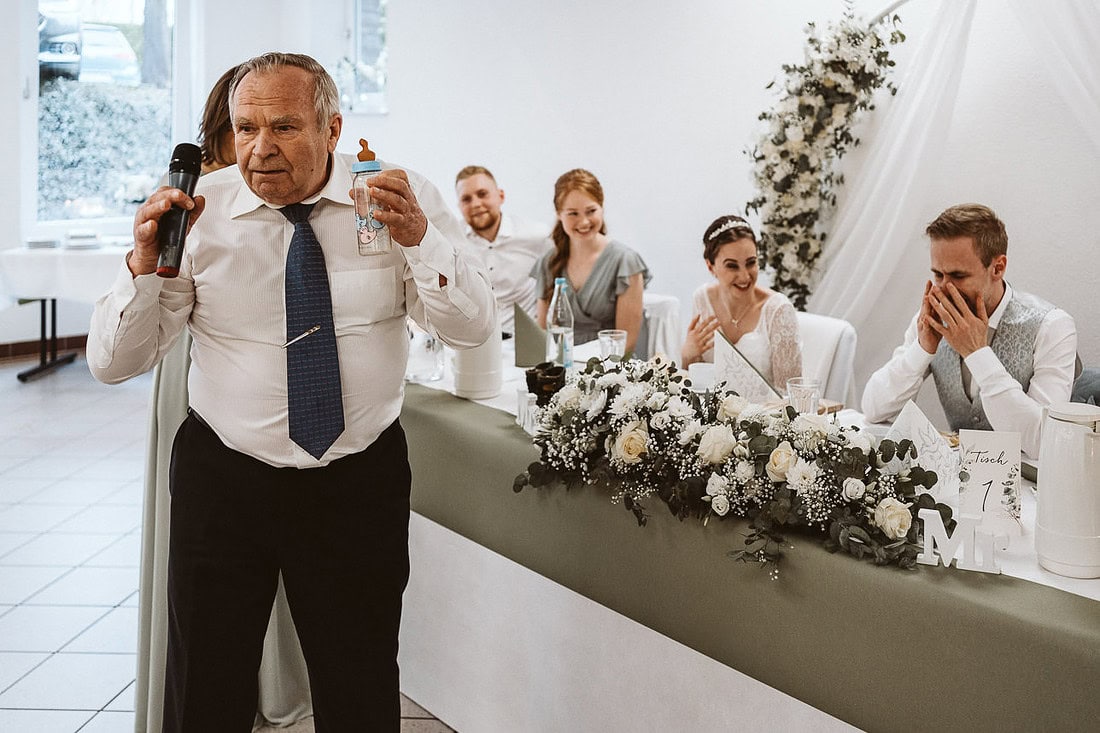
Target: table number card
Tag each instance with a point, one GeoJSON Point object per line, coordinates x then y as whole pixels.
{"type": "Point", "coordinates": [989, 479]}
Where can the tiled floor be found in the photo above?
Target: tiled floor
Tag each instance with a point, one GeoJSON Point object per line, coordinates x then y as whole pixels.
{"type": "Point", "coordinates": [72, 455]}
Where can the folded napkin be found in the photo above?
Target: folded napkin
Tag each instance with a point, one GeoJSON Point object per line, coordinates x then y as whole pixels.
{"type": "Point", "coordinates": [530, 339]}
{"type": "Point", "coordinates": [934, 452]}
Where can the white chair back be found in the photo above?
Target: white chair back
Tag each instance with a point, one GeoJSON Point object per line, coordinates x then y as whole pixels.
{"type": "Point", "coordinates": [828, 353]}
{"type": "Point", "coordinates": [661, 325]}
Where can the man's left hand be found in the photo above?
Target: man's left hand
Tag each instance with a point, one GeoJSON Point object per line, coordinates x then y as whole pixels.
{"type": "Point", "coordinates": [963, 329]}
{"type": "Point", "coordinates": [400, 210]}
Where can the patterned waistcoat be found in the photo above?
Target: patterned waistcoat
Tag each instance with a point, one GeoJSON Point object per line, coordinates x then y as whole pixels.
{"type": "Point", "coordinates": [1014, 345]}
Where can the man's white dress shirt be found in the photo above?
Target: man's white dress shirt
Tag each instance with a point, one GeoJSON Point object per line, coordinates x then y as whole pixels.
{"type": "Point", "coordinates": [1004, 400]}
{"type": "Point", "coordinates": [508, 259]}
{"type": "Point", "coordinates": [230, 293]}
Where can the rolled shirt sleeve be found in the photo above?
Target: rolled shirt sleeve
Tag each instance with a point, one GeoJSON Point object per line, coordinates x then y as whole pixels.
{"type": "Point", "coordinates": [462, 312]}
{"type": "Point", "coordinates": [899, 380]}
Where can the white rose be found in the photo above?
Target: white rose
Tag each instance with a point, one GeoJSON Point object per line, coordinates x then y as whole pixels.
{"type": "Point", "coordinates": [631, 443]}
{"type": "Point", "coordinates": [717, 484]}
{"type": "Point", "coordinates": [853, 488]}
{"type": "Point", "coordinates": [660, 420]}
{"type": "Point", "coordinates": [612, 379]}
{"type": "Point", "coordinates": [731, 406]}
{"type": "Point", "coordinates": [593, 403]}
{"type": "Point", "coordinates": [807, 423]}
{"type": "Point", "coordinates": [716, 444]}
{"type": "Point", "coordinates": [656, 400]}
{"type": "Point", "coordinates": [780, 461]}
{"type": "Point", "coordinates": [862, 440]}
{"type": "Point", "coordinates": [893, 518]}
{"type": "Point", "coordinates": [569, 396]}
{"type": "Point", "coordinates": [720, 504]}
{"type": "Point", "coordinates": [744, 471]}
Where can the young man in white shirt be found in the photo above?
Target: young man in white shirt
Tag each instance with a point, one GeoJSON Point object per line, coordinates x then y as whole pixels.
{"type": "Point", "coordinates": [998, 355]}
{"type": "Point", "coordinates": [508, 245]}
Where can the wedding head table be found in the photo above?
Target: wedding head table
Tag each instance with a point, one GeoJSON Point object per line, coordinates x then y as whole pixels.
{"type": "Point", "coordinates": [656, 628]}
{"type": "Point", "coordinates": [555, 611]}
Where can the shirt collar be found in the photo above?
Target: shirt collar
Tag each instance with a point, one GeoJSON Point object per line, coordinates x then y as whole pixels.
{"type": "Point", "coordinates": [506, 230]}
{"type": "Point", "coordinates": [995, 316]}
{"type": "Point", "coordinates": [335, 190]}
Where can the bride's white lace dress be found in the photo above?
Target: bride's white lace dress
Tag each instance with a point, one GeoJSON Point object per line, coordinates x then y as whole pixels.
{"type": "Point", "coordinates": [774, 348]}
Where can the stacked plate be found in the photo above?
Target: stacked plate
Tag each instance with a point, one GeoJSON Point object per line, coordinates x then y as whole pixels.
{"type": "Point", "coordinates": [82, 239]}
{"type": "Point", "coordinates": [43, 243]}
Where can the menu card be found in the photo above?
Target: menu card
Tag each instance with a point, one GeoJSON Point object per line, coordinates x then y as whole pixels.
{"type": "Point", "coordinates": [934, 452]}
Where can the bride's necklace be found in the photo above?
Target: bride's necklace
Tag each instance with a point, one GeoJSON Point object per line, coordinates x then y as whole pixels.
{"type": "Point", "coordinates": [735, 320]}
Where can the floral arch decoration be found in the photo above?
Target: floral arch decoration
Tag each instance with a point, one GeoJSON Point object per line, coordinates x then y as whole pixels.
{"type": "Point", "coordinates": [795, 159]}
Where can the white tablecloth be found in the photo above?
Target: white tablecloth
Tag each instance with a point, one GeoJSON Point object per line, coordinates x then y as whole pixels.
{"type": "Point", "coordinates": [70, 274]}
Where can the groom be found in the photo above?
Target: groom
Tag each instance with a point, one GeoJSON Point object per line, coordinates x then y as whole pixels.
{"type": "Point", "coordinates": [998, 355]}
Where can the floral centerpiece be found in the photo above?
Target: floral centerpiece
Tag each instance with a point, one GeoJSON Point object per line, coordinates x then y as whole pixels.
{"type": "Point", "coordinates": [807, 132]}
{"type": "Point", "coordinates": [638, 431]}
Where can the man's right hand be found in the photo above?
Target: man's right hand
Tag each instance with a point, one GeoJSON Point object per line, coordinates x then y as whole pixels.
{"type": "Point", "coordinates": [143, 259]}
{"type": "Point", "coordinates": [927, 336]}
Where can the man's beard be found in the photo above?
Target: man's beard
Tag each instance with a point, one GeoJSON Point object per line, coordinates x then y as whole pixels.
{"type": "Point", "coordinates": [484, 222]}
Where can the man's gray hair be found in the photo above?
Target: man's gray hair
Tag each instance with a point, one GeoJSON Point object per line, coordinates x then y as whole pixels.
{"type": "Point", "coordinates": [326, 99]}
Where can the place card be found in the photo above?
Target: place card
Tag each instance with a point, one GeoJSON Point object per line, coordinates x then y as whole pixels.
{"type": "Point", "coordinates": [989, 479]}
{"type": "Point", "coordinates": [934, 452]}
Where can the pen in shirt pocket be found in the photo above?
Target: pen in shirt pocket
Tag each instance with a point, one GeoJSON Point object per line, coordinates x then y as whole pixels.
{"type": "Point", "coordinates": [296, 339]}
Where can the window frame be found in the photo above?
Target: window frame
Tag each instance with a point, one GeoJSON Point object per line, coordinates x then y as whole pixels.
{"type": "Point", "coordinates": [182, 19]}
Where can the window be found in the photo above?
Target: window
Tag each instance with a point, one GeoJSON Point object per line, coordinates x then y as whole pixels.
{"type": "Point", "coordinates": [105, 106]}
{"type": "Point", "coordinates": [361, 76]}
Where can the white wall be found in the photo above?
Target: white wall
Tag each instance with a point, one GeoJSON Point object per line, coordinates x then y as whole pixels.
{"type": "Point", "coordinates": [660, 100]}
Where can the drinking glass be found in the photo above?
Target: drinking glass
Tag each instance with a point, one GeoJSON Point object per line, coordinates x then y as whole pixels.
{"type": "Point", "coordinates": [612, 342]}
{"type": "Point", "coordinates": [425, 356]}
{"type": "Point", "coordinates": [803, 394]}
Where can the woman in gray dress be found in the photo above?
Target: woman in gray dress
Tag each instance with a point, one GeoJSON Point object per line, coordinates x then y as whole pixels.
{"type": "Point", "coordinates": [606, 278]}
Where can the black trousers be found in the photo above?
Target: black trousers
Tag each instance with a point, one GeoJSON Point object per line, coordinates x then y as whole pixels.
{"type": "Point", "coordinates": [339, 534]}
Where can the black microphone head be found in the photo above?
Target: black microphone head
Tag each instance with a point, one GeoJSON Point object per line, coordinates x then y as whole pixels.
{"type": "Point", "coordinates": [186, 158]}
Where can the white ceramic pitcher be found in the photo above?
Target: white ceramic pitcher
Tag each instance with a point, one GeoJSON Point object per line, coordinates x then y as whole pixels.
{"type": "Point", "coordinates": [1067, 523]}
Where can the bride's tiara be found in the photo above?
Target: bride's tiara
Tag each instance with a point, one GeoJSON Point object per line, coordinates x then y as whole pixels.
{"type": "Point", "coordinates": [731, 224]}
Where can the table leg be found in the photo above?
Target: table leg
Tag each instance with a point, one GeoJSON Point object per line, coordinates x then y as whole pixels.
{"type": "Point", "coordinates": [46, 362]}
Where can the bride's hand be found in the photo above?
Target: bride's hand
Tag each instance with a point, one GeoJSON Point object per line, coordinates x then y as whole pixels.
{"type": "Point", "coordinates": [700, 338]}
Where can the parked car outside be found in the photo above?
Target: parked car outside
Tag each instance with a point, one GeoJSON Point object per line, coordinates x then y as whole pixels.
{"type": "Point", "coordinates": [107, 57]}
{"type": "Point", "coordinates": [58, 39]}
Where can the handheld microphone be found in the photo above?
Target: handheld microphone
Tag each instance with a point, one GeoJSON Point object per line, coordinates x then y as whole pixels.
{"type": "Point", "coordinates": [183, 173]}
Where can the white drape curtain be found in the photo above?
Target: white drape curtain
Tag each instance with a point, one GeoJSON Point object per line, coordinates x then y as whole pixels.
{"type": "Point", "coordinates": [1065, 35]}
{"type": "Point", "coordinates": [876, 243]}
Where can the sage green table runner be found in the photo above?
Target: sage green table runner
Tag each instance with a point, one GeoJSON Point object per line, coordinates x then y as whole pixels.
{"type": "Point", "coordinates": [881, 648]}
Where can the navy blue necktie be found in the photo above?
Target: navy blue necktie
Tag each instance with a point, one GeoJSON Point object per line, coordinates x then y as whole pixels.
{"type": "Point", "coordinates": [314, 400]}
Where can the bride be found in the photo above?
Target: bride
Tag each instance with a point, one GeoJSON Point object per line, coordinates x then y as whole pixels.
{"type": "Point", "coordinates": [760, 322]}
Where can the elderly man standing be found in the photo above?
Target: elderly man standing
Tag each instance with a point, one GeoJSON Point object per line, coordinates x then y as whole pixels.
{"type": "Point", "coordinates": [292, 458]}
{"type": "Point", "coordinates": [998, 355]}
{"type": "Point", "coordinates": [509, 245]}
